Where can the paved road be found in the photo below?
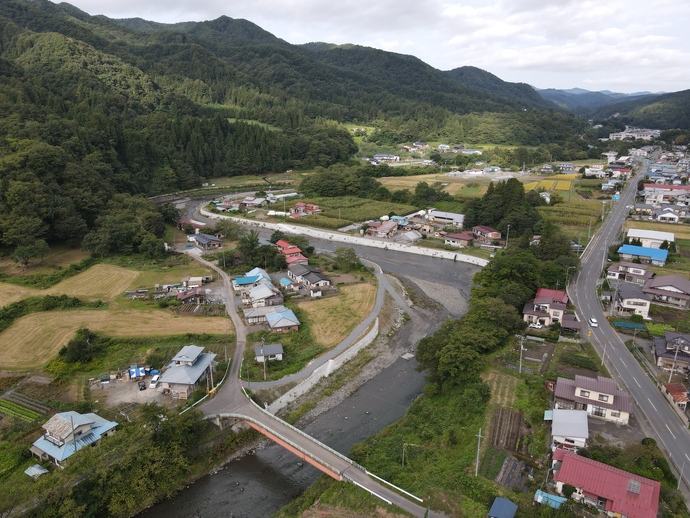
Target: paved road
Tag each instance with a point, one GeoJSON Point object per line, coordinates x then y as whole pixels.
{"type": "Point", "coordinates": [671, 434]}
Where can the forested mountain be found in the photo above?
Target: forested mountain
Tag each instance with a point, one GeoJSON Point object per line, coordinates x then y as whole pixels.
{"type": "Point", "coordinates": [474, 77]}
{"type": "Point", "coordinates": [582, 101]}
{"type": "Point", "coordinates": [91, 107]}
{"type": "Point", "coordinates": [667, 111]}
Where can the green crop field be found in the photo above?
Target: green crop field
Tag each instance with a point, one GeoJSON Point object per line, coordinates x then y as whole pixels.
{"type": "Point", "coordinates": [13, 410]}
{"type": "Point", "coordinates": [341, 211]}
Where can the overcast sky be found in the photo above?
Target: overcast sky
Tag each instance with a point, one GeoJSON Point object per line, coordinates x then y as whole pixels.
{"type": "Point", "coordinates": [618, 45]}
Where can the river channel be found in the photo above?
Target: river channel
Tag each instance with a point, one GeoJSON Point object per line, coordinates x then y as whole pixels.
{"type": "Point", "coordinates": [259, 484]}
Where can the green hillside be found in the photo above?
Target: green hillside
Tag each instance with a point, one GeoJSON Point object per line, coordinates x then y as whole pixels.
{"type": "Point", "coordinates": [668, 111]}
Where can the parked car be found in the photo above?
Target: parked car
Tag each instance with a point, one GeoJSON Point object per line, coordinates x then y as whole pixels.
{"type": "Point", "coordinates": [536, 325]}
{"type": "Point", "coordinates": [142, 385]}
{"type": "Point", "coordinates": [154, 381]}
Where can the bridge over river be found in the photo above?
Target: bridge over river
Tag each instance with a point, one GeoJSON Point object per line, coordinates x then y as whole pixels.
{"type": "Point", "coordinates": [231, 402]}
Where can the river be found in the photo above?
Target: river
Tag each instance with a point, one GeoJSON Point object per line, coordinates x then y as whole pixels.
{"type": "Point", "coordinates": [259, 484]}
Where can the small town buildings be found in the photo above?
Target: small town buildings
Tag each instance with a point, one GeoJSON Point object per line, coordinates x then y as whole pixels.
{"type": "Point", "coordinates": [304, 209]}
{"type": "Point", "coordinates": [68, 432]}
{"type": "Point", "coordinates": [382, 229]}
{"type": "Point", "coordinates": [630, 272]}
{"type": "Point", "coordinates": [630, 299]}
{"type": "Point", "coordinates": [611, 490]}
{"type": "Point", "coordinates": [248, 203]}
{"type": "Point", "coordinates": [383, 157]}
{"type": "Point", "coordinates": [651, 238]}
{"type": "Point", "coordinates": [461, 240]}
{"type": "Point", "coordinates": [645, 255]}
{"type": "Point", "coordinates": [485, 235]}
{"type": "Point", "coordinates": [600, 397]}
{"type": "Point", "coordinates": [252, 278]}
{"type": "Point", "coordinates": [672, 351]}
{"type": "Point", "coordinates": [451, 219]}
{"type": "Point", "coordinates": [669, 290]}
{"type": "Point", "coordinates": [565, 167]}
{"type": "Point", "coordinates": [188, 368]}
{"type": "Point", "coordinates": [310, 278]}
{"type": "Point", "coordinates": [402, 221]}
{"type": "Point", "coordinates": [205, 241]}
{"type": "Point", "coordinates": [269, 352]}
{"type": "Point", "coordinates": [283, 321]}
{"type": "Point", "coordinates": [569, 429]}
{"type": "Point", "coordinates": [263, 295]}
{"type": "Point", "coordinates": [192, 282]}
{"type": "Point", "coordinates": [192, 296]}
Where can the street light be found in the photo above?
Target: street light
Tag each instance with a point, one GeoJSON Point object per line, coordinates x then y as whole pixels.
{"type": "Point", "coordinates": [507, 235]}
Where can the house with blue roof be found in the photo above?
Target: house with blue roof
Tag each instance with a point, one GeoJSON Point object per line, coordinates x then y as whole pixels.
{"type": "Point", "coordinates": [186, 371]}
{"type": "Point", "coordinates": [655, 256]}
{"type": "Point", "coordinates": [68, 432]}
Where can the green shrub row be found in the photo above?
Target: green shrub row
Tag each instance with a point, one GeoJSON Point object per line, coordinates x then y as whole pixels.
{"type": "Point", "coordinates": [44, 281]}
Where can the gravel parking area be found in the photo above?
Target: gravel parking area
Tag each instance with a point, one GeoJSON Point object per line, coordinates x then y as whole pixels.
{"type": "Point", "coordinates": [122, 392]}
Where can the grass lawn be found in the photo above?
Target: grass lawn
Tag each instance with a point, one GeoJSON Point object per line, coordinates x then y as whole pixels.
{"type": "Point", "coordinates": [34, 339]}
{"type": "Point", "coordinates": [333, 318]}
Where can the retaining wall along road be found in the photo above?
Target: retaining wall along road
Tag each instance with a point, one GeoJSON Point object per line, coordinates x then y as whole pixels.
{"type": "Point", "coordinates": [354, 240]}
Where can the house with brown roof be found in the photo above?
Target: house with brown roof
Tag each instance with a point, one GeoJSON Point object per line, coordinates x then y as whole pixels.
{"type": "Point", "coordinates": [547, 308]}
{"type": "Point", "coordinates": [384, 229]}
{"type": "Point", "coordinates": [485, 235]}
{"type": "Point", "coordinates": [669, 290]}
{"type": "Point", "coordinates": [600, 397]}
{"type": "Point", "coordinates": [611, 490]}
{"type": "Point", "coordinates": [631, 300]}
{"type": "Point", "coordinates": [304, 209]}
{"type": "Point", "coordinates": [461, 240]}
{"type": "Point", "coordinates": [677, 394]}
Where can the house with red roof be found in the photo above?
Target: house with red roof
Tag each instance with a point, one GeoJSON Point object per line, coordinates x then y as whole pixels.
{"type": "Point", "coordinates": [485, 234]}
{"type": "Point", "coordinates": [547, 308]}
{"type": "Point", "coordinates": [611, 490]}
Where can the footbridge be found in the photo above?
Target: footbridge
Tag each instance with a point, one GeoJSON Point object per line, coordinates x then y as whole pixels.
{"type": "Point", "coordinates": [321, 456]}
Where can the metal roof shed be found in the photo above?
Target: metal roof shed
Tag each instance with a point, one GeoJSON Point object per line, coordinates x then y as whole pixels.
{"type": "Point", "coordinates": [502, 508]}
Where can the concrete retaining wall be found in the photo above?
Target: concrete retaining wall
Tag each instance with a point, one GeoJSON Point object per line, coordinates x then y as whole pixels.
{"type": "Point", "coordinates": [324, 370]}
{"type": "Point", "coordinates": [354, 240]}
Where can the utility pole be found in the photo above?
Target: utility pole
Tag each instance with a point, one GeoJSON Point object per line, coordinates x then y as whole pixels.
{"type": "Point", "coordinates": [479, 442]}
{"type": "Point", "coordinates": [507, 235]}
{"type": "Point", "coordinates": [522, 339]}
{"type": "Point", "coordinates": [675, 356]}
{"type": "Point", "coordinates": [603, 356]}
{"type": "Point", "coordinates": [263, 342]}
{"type": "Point", "coordinates": [681, 476]}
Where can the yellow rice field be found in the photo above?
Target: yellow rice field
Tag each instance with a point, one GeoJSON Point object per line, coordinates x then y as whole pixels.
{"type": "Point", "coordinates": [531, 186]}
{"type": "Point", "coordinates": [570, 176]}
{"type": "Point", "coordinates": [547, 185]}
{"type": "Point", "coordinates": [563, 186]}
{"type": "Point", "coordinates": [33, 340]}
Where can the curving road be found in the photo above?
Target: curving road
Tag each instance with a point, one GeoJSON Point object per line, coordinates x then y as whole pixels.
{"type": "Point", "coordinates": [672, 435]}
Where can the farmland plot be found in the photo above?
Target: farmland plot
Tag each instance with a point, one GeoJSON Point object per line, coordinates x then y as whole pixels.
{"type": "Point", "coordinates": [33, 340]}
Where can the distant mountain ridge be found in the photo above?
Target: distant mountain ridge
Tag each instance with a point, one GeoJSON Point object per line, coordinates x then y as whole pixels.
{"type": "Point", "coordinates": [581, 101]}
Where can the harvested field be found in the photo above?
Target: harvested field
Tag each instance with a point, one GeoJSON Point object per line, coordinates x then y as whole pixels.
{"type": "Point", "coordinates": [503, 388]}
{"type": "Point", "coordinates": [569, 176]}
{"type": "Point", "coordinates": [332, 319]}
{"type": "Point", "coordinates": [102, 281]}
{"type": "Point", "coordinates": [34, 339]}
{"type": "Point", "coordinates": [10, 293]}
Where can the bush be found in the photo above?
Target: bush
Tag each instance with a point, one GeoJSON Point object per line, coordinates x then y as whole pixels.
{"type": "Point", "coordinates": [568, 490]}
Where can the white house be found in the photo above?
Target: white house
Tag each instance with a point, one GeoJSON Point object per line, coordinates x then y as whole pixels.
{"type": "Point", "coordinates": [569, 429]}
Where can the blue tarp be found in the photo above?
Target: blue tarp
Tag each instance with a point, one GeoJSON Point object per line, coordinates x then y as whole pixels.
{"type": "Point", "coordinates": [502, 508]}
{"type": "Point", "coordinates": [547, 499]}
{"type": "Point", "coordinates": [629, 325]}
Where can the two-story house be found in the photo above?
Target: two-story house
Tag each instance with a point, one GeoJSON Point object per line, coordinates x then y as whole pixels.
{"type": "Point", "coordinates": [548, 307]}
{"type": "Point", "coordinates": [600, 397]}
{"type": "Point", "coordinates": [187, 369]}
{"type": "Point", "coordinates": [68, 432]}
{"type": "Point", "coordinates": [630, 272]}
{"type": "Point", "coordinates": [309, 277]}
{"type": "Point", "coordinates": [672, 351]}
{"type": "Point", "coordinates": [669, 290]}
{"type": "Point", "coordinates": [631, 300]}
{"type": "Point", "coordinates": [486, 235]}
